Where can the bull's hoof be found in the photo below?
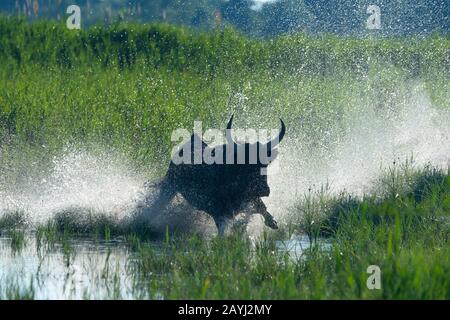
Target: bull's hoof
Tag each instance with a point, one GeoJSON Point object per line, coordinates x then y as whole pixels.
{"type": "Point", "coordinates": [271, 223]}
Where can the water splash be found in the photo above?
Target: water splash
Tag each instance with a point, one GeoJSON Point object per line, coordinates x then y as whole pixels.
{"type": "Point", "coordinates": [77, 180]}
{"type": "Point", "coordinates": [374, 138]}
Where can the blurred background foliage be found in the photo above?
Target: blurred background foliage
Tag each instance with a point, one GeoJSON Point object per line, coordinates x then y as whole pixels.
{"type": "Point", "coordinates": [130, 85]}
{"type": "Point", "coordinates": [255, 17]}
{"type": "Point", "coordinates": [50, 43]}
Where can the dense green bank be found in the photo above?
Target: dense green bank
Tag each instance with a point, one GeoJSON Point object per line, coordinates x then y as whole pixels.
{"type": "Point", "coordinates": [129, 86]}
{"type": "Point", "coordinates": [133, 45]}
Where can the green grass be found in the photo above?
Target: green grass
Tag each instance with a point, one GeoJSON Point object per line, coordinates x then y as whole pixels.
{"type": "Point", "coordinates": [177, 76]}
{"type": "Point", "coordinates": [133, 112]}
{"type": "Point", "coordinates": [407, 236]}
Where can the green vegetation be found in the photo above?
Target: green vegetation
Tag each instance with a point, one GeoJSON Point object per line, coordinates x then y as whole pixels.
{"type": "Point", "coordinates": [407, 236]}
{"type": "Point", "coordinates": [128, 45]}
{"type": "Point", "coordinates": [126, 87]}
{"type": "Point", "coordinates": [254, 17]}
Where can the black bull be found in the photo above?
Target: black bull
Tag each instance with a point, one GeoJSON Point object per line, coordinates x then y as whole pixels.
{"type": "Point", "coordinates": [222, 187]}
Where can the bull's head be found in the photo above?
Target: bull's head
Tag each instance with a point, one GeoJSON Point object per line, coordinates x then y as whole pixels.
{"type": "Point", "coordinates": [253, 160]}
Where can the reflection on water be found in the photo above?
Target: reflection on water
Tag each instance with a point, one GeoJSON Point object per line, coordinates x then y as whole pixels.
{"type": "Point", "coordinates": [78, 270]}
{"type": "Point", "coordinates": [297, 245]}
{"type": "Point", "coordinates": [83, 269]}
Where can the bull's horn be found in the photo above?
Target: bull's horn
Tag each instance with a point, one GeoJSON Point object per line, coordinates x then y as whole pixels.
{"type": "Point", "coordinates": [228, 131]}
{"type": "Point", "coordinates": [274, 142]}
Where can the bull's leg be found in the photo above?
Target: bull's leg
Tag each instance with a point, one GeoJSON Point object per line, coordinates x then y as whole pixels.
{"type": "Point", "coordinates": [221, 215]}
{"type": "Point", "coordinates": [221, 224]}
{"type": "Point", "coordinates": [163, 198]}
{"type": "Point", "coordinates": [157, 197]}
{"type": "Point", "coordinates": [268, 218]}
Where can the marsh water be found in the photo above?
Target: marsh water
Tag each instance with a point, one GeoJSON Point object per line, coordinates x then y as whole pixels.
{"type": "Point", "coordinates": [76, 270]}
{"type": "Point", "coordinates": [84, 269]}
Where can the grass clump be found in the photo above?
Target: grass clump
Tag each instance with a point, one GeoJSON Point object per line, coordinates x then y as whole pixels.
{"type": "Point", "coordinates": [407, 239]}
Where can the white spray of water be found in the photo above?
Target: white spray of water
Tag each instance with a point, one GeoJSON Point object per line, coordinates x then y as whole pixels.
{"type": "Point", "coordinates": [77, 181]}
{"type": "Point", "coordinates": [373, 140]}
